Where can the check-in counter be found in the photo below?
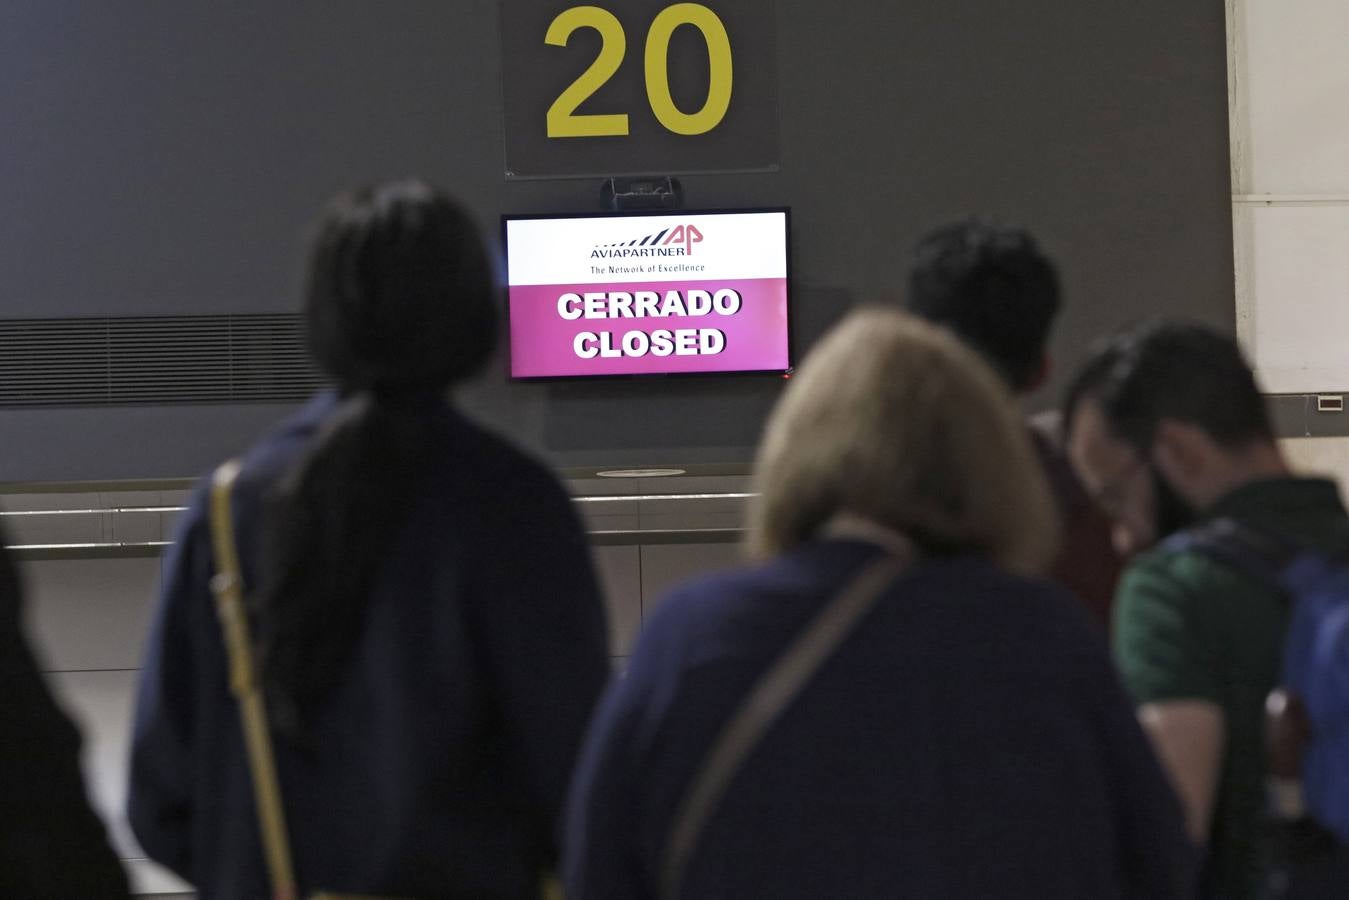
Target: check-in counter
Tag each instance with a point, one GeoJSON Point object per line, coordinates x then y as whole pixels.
{"type": "Point", "coordinates": [91, 559]}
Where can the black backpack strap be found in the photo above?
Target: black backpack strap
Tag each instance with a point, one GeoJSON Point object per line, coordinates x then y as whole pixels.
{"type": "Point", "coordinates": [1258, 554]}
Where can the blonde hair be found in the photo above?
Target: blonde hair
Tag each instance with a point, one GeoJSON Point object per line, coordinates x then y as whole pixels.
{"type": "Point", "coordinates": [893, 419]}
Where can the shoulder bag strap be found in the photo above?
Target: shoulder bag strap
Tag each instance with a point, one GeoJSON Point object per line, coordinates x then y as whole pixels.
{"type": "Point", "coordinates": [228, 588]}
{"type": "Point", "coordinates": [771, 694]}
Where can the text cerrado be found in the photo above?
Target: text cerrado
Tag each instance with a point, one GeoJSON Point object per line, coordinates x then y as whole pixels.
{"type": "Point", "coordinates": [644, 304]}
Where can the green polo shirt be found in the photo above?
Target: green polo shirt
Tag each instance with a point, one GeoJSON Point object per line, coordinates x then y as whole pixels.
{"type": "Point", "coordinates": [1188, 627]}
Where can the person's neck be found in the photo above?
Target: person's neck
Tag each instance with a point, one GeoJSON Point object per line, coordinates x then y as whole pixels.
{"type": "Point", "coordinates": [851, 526]}
{"type": "Point", "coordinates": [1257, 462]}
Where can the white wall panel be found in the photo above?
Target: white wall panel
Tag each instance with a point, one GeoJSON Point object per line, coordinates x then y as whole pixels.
{"type": "Point", "coordinates": [1289, 77]}
{"type": "Point", "coordinates": [1296, 81]}
{"type": "Point", "coordinates": [1299, 287]}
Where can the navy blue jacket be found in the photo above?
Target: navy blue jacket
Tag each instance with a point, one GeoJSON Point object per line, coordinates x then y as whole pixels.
{"type": "Point", "coordinates": [441, 757]}
{"type": "Point", "coordinates": [968, 740]}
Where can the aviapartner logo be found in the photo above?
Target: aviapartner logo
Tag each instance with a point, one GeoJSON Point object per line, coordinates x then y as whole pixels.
{"type": "Point", "coordinates": [676, 241]}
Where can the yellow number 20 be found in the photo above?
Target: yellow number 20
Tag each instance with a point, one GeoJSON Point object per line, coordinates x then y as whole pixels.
{"type": "Point", "coordinates": [563, 121]}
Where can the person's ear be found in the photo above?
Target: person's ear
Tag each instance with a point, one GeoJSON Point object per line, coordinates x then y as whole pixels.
{"type": "Point", "coordinates": [1182, 452]}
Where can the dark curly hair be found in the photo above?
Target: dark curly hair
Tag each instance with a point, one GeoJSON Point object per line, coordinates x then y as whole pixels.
{"type": "Point", "coordinates": [993, 287]}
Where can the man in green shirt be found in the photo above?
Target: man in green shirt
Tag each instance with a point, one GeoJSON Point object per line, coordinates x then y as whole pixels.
{"type": "Point", "coordinates": [1167, 429]}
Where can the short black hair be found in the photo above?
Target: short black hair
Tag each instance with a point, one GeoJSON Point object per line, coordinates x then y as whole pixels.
{"type": "Point", "coordinates": [1171, 370]}
{"type": "Point", "coordinates": [993, 286]}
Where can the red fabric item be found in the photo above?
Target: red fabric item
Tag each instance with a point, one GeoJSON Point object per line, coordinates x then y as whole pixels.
{"type": "Point", "coordinates": [1087, 564]}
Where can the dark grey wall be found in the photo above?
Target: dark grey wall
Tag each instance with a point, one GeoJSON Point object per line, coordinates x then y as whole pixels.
{"type": "Point", "coordinates": [164, 156]}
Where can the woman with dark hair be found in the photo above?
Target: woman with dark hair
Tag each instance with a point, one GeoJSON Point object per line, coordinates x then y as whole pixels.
{"type": "Point", "coordinates": [426, 683]}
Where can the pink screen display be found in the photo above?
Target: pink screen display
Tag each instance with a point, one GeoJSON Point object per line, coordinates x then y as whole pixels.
{"type": "Point", "coordinates": [633, 295]}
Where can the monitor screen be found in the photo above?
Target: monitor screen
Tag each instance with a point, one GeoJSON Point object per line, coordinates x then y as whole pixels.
{"type": "Point", "coordinates": [647, 293]}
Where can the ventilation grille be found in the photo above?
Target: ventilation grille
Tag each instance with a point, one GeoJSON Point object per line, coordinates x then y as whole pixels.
{"type": "Point", "coordinates": [154, 360]}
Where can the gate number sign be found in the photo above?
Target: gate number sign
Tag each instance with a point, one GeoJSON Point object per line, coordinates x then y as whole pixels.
{"type": "Point", "coordinates": [563, 122]}
{"type": "Point", "coordinates": [669, 88]}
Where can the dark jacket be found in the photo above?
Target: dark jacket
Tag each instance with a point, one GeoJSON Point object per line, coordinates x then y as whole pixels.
{"type": "Point", "coordinates": [51, 842]}
{"type": "Point", "coordinates": [968, 740]}
{"type": "Point", "coordinates": [439, 761]}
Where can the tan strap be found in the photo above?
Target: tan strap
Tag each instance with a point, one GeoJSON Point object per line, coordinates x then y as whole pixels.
{"type": "Point", "coordinates": [771, 694]}
{"type": "Point", "coordinates": [227, 586]}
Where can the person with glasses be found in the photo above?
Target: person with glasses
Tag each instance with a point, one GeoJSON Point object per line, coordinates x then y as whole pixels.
{"type": "Point", "coordinates": [1168, 430]}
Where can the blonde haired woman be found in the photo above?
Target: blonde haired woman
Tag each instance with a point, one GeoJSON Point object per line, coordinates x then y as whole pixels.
{"type": "Point", "coordinates": [887, 704]}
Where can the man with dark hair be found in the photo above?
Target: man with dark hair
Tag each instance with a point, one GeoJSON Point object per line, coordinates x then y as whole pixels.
{"type": "Point", "coordinates": [994, 288]}
{"type": "Point", "coordinates": [1168, 430]}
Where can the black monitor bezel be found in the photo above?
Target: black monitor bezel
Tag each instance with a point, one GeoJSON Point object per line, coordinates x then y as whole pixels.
{"type": "Point", "coordinates": [636, 214]}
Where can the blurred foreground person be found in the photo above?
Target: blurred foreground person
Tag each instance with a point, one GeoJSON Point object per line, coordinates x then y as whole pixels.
{"type": "Point", "coordinates": [420, 603]}
{"type": "Point", "coordinates": [886, 706]}
{"type": "Point", "coordinates": [52, 844]}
